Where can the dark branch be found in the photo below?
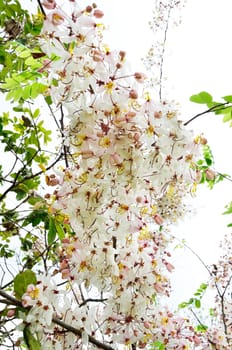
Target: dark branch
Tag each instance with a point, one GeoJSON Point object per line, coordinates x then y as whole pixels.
{"type": "Point", "coordinates": [65, 148]}
{"type": "Point", "coordinates": [8, 297]}
{"type": "Point", "coordinates": [92, 300]}
{"type": "Point", "coordinates": [79, 333]}
{"type": "Point", "coordinates": [212, 109]}
{"type": "Point", "coordinates": [15, 183]}
{"type": "Point", "coordinates": [41, 8]}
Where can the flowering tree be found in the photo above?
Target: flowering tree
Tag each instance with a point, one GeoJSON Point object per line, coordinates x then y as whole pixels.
{"type": "Point", "coordinates": [87, 204]}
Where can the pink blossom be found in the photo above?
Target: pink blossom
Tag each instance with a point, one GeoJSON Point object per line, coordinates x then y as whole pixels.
{"type": "Point", "coordinates": [98, 13]}
{"type": "Point", "coordinates": [49, 4]}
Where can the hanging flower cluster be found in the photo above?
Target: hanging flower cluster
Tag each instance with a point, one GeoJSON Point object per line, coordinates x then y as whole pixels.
{"type": "Point", "coordinates": [131, 164]}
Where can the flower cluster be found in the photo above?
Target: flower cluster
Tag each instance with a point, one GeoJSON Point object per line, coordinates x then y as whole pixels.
{"type": "Point", "coordinates": [131, 164]}
{"type": "Point", "coordinates": [44, 301]}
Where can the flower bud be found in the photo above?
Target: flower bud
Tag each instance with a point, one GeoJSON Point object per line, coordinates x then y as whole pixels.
{"type": "Point", "coordinates": [210, 174]}
{"type": "Point", "coordinates": [98, 13]}
{"type": "Point", "coordinates": [49, 4]}
{"type": "Point", "coordinates": [88, 9]}
{"type": "Point", "coordinates": [147, 325]}
{"type": "Point", "coordinates": [10, 313]}
{"type": "Point", "coordinates": [133, 94]}
{"type": "Point", "coordinates": [140, 77]}
{"type": "Point", "coordinates": [158, 219]}
{"type": "Point", "coordinates": [158, 115]}
{"type": "Point", "coordinates": [122, 55]}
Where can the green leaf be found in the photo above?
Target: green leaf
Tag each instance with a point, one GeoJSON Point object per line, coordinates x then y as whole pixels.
{"type": "Point", "coordinates": [227, 98]}
{"type": "Point", "coordinates": [51, 231]}
{"type": "Point", "coordinates": [197, 303]}
{"type": "Point", "coordinates": [201, 328]}
{"type": "Point", "coordinates": [183, 305]}
{"type": "Point", "coordinates": [227, 116]}
{"type": "Point", "coordinates": [31, 342]}
{"type": "Point", "coordinates": [157, 345]}
{"type": "Point", "coordinates": [36, 217]}
{"type": "Point", "coordinates": [203, 97]}
{"type": "Point", "coordinates": [20, 194]}
{"type": "Point", "coordinates": [48, 100]}
{"type": "Point", "coordinates": [203, 286]}
{"type": "Point", "coordinates": [36, 113]}
{"type": "Point", "coordinates": [228, 209]}
{"type": "Point", "coordinates": [26, 93]}
{"type": "Point", "coordinates": [22, 280]}
{"type": "Point", "coordinates": [60, 230]}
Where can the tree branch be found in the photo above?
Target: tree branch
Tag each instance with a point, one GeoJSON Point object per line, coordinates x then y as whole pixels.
{"type": "Point", "coordinates": [41, 8]}
{"type": "Point", "coordinates": [92, 300]}
{"type": "Point", "coordinates": [15, 183]}
{"type": "Point", "coordinates": [79, 333]}
{"type": "Point", "coordinates": [212, 109]}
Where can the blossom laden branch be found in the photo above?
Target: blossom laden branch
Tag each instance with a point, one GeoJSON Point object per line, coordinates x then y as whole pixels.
{"type": "Point", "coordinates": [9, 300]}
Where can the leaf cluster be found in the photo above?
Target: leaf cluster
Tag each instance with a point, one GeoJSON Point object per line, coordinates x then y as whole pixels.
{"type": "Point", "coordinates": [195, 301]}
{"type": "Point", "coordinates": [223, 108]}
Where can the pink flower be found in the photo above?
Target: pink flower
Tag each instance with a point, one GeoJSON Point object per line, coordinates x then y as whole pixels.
{"type": "Point", "coordinates": [49, 4]}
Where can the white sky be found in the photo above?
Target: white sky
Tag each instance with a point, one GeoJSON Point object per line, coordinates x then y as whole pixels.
{"type": "Point", "coordinates": [200, 60]}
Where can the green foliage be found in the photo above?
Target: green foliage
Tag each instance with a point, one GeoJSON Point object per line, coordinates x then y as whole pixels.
{"type": "Point", "coordinates": [51, 231]}
{"type": "Point", "coordinates": [223, 108]}
{"type": "Point", "coordinates": [21, 136]}
{"type": "Point", "coordinates": [19, 29]}
{"type": "Point", "coordinates": [22, 280]}
{"type": "Point", "coordinates": [206, 163]}
{"type": "Point", "coordinates": [202, 98]}
{"type": "Point", "coordinates": [30, 340]}
{"type": "Point", "coordinates": [157, 345]}
{"type": "Point", "coordinates": [201, 328]}
{"type": "Point", "coordinates": [228, 210]}
{"type": "Point", "coordinates": [196, 300]}
{"type": "Point", "coordinates": [5, 251]}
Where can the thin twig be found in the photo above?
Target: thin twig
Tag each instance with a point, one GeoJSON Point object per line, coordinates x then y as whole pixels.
{"type": "Point", "coordinates": [92, 300]}
{"type": "Point", "coordinates": [15, 183]}
{"type": "Point", "coordinates": [41, 8]}
{"type": "Point", "coordinates": [65, 148]}
{"type": "Point", "coordinates": [212, 109]}
{"type": "Point", "coordinates": [163, 52]}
